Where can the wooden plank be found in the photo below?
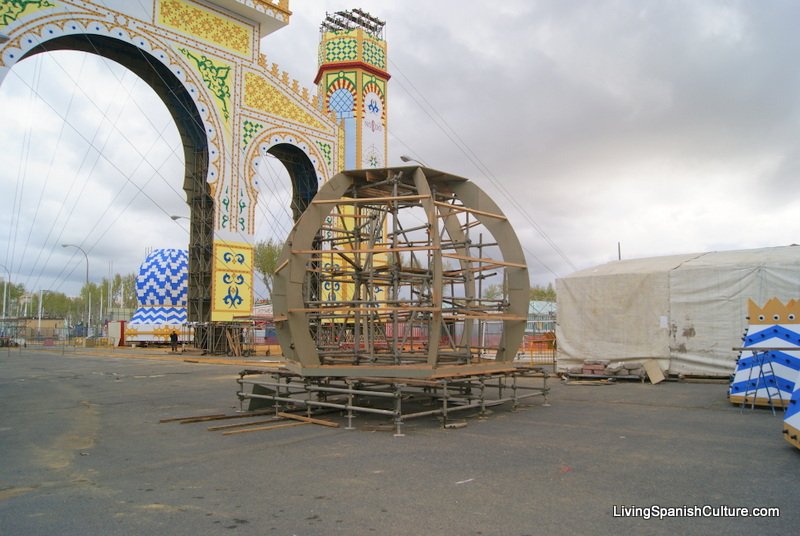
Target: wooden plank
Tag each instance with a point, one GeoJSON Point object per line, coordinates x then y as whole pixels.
{"type": "Point", "coordinates": [223, 417]}
{"type": "Point", "coordinates": [308, 419]}
{"type": "Point", "coordinates": [264, 428]}
{"type": "Point", "coordinates": [356, 201]}
{"type": "Point", "coordinates": [233, 344]}
{"type": "Point", "coordinates": [481, 268]}
{"type": "Point", "coordinates": [242, 424]}
{"type": "Point", "coordinates": [470, 210]}
{"type": "Point", "coordinates": [282, 265]}
{"type": "Point", "coordinates": [364, 250]}
{"type": "Point", "coordinates": [347, 216]}
{"type": "Point", "coordinates": [492, 316]}
{"type": "Point", "coordinates": [175, 419]}
{"type": "Point", "coordinates": [348, 308]}
{"type": "Point", "coordinates": [481, 259]}
{"type": "Point", "coordinates": [654, 371]}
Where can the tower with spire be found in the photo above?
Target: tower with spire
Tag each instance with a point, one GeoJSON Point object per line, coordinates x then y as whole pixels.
{"type": "Point", "coordinates": [352, 78]}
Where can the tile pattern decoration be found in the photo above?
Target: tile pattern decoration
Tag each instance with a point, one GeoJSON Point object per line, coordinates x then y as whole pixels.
{"type": "Point", "coordinates": [199, 22]}
{"type": "Point", "coordinates": [233, 280]}
{"type": "Point", "coordinates": [11, 11]}
{"type": "Point", "coordinates": [162, 286]}
{"type": "Point", "coordinates": [260, 95]}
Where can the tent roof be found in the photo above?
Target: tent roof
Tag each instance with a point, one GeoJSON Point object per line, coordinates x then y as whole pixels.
{"type": "Point", "coordinates": [743, 257]}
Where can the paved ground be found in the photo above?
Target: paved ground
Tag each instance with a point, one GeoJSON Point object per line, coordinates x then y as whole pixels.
{"type": "Point", "coordinates": [82, 452]}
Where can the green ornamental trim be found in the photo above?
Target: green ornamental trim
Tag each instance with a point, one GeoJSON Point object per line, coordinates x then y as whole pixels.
{"type": "Point", "coordinates": [11, 10]}
{"type": "Point", "coordinates": [249, 130]}
{"type": "Point", "coordinates": [215, 77]}
{"type": "Point", "coordinates": [374, 55]}
{"type": "Point", "coordinates": [341, 50]}
{"type": "Point", "coordinates": [326, 151]}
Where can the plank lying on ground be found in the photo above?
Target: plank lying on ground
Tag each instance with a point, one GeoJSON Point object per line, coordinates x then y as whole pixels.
{"type": "Point", "coordinates": [589, 382]}
{"type": "Point", "coordinates": [308, 419]}
{"type": "Point", "coordinates": [226, 417]}
{"type": "Point", "coordinates": [242, 424]}
{"type": "Point", "coordinates": [174, 419]}
{"type": "Point", "coordinates": [262, 428]}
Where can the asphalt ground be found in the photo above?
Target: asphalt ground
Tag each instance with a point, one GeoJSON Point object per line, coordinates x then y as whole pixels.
{"type": "Point", "coordinates": [82, 452]}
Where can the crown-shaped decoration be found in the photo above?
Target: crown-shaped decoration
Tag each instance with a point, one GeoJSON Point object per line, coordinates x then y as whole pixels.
{"type": "Point", "coordinates": [774, 312]}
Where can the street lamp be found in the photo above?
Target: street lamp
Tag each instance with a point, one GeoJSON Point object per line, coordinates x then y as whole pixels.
{"type": "Point", "coordinates": [88, 296]}
{"type": "Point", "coordinates": [5, 294]}
{"type": "Point", "coordinates": [175, 217]}
{"type": "Point", "coordinates": [41, 299]}
{"type": "Point", "coordinates": [406, 158]}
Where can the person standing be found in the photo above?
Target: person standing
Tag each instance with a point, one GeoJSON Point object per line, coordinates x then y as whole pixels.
{"type": "Point", "coordinates": [173, 340]}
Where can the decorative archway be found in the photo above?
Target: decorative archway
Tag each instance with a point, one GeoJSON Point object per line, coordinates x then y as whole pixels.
{"type": "Point", "coordinates": [203, 60]}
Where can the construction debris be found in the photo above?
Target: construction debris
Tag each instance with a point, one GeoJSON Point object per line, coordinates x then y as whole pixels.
{"type": "Point", "coordinates": [603, 368]}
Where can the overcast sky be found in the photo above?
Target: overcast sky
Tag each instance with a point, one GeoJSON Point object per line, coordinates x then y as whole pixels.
{"type": "Point", "coordinates": [669, 127]}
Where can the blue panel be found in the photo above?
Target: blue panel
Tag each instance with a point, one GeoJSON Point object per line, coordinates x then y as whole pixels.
{"type": "Point", "coordinates": [163, 279]}
{"type": "Point", "coordinates": [772, 332]}
{"type": "Point", "coordinates": [787, 360]}
{"type": "Point", "coordinates": [350, 144]}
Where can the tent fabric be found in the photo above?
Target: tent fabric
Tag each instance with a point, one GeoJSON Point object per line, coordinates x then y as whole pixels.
{"type": "Point", "coordinates": [687, 311]}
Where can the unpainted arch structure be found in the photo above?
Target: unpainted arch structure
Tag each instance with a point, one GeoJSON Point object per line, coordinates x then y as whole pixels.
{"type": "Point", "coordinates": [203, 59]}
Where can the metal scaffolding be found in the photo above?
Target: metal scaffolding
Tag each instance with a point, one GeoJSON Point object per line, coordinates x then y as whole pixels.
{"type": "Point", "coordinates": [398, 400]}
{"type": "Point", "coordinates": [384, 272]}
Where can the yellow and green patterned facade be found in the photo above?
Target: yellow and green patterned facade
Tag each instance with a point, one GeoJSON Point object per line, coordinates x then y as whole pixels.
{"type": "Point", "coordinates": [242, 106]}
{"type": "Point", "coordinates": [352, 77]}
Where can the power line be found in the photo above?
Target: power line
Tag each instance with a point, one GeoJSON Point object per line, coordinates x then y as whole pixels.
{"type": "Point", "coordinates": [454, 137]}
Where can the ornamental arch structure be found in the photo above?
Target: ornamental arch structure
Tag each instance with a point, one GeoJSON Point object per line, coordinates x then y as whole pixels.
{"type": "Point", "coordinates": [230, 105]}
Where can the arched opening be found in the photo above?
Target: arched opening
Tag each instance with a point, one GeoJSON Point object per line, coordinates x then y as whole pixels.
{"type": "Point", "coordinates": [195, 149]}
{"type": "Point", "coordinates": [286, 182]}
{"type": "Point", "coordinates": [301, 173]}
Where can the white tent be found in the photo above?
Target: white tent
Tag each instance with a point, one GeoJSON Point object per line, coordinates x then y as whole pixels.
{"type": "Point", "coordinates": [687, 311]}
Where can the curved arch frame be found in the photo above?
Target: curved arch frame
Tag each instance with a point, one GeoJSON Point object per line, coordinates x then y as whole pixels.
{"type": "Point", "coordinates": [299, 318]}
{"type": "Point", "coordinates": [194, 135]}
{"type": "Point", "coordinates": [302, 160]}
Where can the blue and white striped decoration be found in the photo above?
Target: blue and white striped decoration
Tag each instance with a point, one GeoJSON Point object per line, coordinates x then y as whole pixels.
{"type": "Point", "coordinates": [159, 315]}
{"type": "Point", "coordinates": [775, 383]}
{"type": "Point", "coordinates": [162, 288]}
{"type": "Point", "coordinates": [791, 419]}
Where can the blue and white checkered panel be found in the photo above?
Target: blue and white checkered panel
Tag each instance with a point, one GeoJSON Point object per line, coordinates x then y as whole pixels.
{"type": "Point", "coordinates": [163, 279]}
{"type": "Point", "coordinates": [791, 419]}
{"type": "Point", "coordinates": [159, 315]}
{"type": "Point", "coordinates": [779, 369]}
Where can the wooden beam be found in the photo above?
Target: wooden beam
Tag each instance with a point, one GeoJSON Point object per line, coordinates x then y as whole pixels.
{"type": "Point", "coordinates": [491, 316]}
{"type": "Point", "coordinates": [470, 210]}
{"type": "Point", "coordinates": [366, 250]}
{"type": "Point", "coordinates": [348, 308]}
{"type": "Point", "coordinates": [219, 417]}
{"type": "Point", "coordinates": [344, 216]}
{"type": "Point", "coordinates": [176, 419]}
{"type": "Point", "coordinates": [480, 259]}
{"type": "Point", "coordinates": [302, 418]}
{"type": "Point", "coordinates": [360, 200]}
{"type": "Point", "coordinates": [282, 265]}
